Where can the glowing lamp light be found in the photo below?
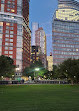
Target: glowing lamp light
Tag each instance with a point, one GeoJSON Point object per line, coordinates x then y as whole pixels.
{"type": "Point", "coordinates": [36, 69]}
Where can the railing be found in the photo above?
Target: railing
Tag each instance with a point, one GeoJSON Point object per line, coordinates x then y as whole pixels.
{"type": "Point", "coordinates": [51, 82]}
{"type": "Point", "coordinates": [4, 82]}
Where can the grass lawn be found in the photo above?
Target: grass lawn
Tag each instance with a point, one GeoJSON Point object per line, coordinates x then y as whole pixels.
{"type": "Point", "coordinates": [39, 98]}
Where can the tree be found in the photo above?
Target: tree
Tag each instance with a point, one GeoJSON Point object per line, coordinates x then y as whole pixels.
{"type": "Point", "coordinates": [6, 66]}
{"type": "Point", "coordinates": [30, 71]}
{"type": "Point", "coordinates": [69, 69]}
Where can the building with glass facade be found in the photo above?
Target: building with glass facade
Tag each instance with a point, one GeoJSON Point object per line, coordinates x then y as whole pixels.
{"type": "Point", "coordinates": [65, 31]}
{"type": "Point", "coordinates": [35, 27]}
{"type": "Point", "coordinates": [40, 40]}
{"type": "Point", "coordinates": [15, 35]}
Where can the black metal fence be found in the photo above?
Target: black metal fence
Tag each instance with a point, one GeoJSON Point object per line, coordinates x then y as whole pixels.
{"type": "Point", "coordinates": [3, 82]}
{"type": "Point", "coordinates": [51, 82]}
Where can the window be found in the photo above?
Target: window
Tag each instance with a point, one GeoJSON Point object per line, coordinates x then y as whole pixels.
{"type": "Point", "coordinates": [6, 43]}
{"type": "Point", "coordinates": [1, 23]}
{"type": "Point", "coordinates": [6, 39]}
{"type": "Point", "coordinates": [11, 44]}
{"type": "Point", "coordinates": [7, 31]}
{"type": "Point", "coordinates": [11, 32]}
{"type": "Point", "coordinates": [11, 28]}
{"type": "Point", "coordinates": [7, 27]}
{"type": "Point", "coordinates": [6, 48]}
{"type": "Point", "coordinates": [10, 52]}
{"type": "Point", "coordinates": [10, 56]}
{"type": "Point", "coordinates": [8, 24]}
{"type": "Point", "coordinates": [6, 52]}
{"type": "Point", "coordinates": [11, 35]}
{"type": "Point", "coordinates": [11, 40]}
{"type": "Point", "coordinates": [10, 48]}
{"type": "Point", "coordinates": [11, 24]}
{"type": "Point", "coordinates": [6, 35]}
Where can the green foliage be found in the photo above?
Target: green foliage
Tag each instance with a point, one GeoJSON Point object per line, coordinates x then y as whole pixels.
{"type": "Point", "coordinates": [68, 69]}
{"type": "Point", "coordinates": [6, 66]}
{"type": "Point", "coordinates": [29, 71]}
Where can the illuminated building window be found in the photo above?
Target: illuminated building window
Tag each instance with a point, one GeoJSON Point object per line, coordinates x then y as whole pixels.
{"type": "Point", "coordinates": [12, 10]}
{"type": "Point", "coordinates": [1, 23]}
{"type": "Point", "coordinates": [8, 24]}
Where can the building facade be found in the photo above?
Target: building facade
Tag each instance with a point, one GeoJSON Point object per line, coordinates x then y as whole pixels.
{"type": "Point", "coordinates": [50, 62]}
{"type": "Point", "coordinates": [35, 27]}
{"type": "Point", "coordinates": [15, 35]}
{"type": "Point", "coordinates": [40, 40]}
{"type": "Point", "coordinates": [65, 31]}
{"type": "Point", "coordinates": [35, 53]}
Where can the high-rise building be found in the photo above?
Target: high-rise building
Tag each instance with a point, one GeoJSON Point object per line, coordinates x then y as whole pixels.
{"type": "Point", "coordinates": [35, 27]}
{"type": "Point", "coordinates": [35, 53]}
{"type": "Point", "coordinates": [50, 62]}
{"type": "Point", "coordinates": [15, 35]}
{"type": "Point", "coordinates": [65, 31]}
{"type": "Point", "coordinates": [40, 40]}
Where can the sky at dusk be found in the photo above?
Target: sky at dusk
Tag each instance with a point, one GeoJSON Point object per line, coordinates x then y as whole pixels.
{"type": "Point", "coordinates": [42, 11]}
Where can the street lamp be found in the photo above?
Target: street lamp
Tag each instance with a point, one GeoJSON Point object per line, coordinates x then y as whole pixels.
{"type": "Point", "coordinates": [36, 69]}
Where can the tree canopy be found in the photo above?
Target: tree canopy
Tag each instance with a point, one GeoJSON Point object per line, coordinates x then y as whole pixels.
{"type": "Point", "coordinates": [68, 69]}
{"type": "Point", "coordinates": [30, 71]}
{"type": "Point", "coordinates": [6, 66]}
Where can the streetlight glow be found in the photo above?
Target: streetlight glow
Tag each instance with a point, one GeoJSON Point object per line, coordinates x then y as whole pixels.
{"type": "Point", "coordinates": [36, 69]}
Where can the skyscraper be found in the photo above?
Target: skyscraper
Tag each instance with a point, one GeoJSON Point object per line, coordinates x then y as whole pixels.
{"type": "Point", "coordinates": [35, 27]}
{"type": "Point", "coordinates": [65, 31]}
{"type": "Point", "coordinates": [40, 40]}
{"type": "Point", "coordinates": [15, 35]}
{"type": "Point", "coordinates": [50, 62]}
{"type": "Point", "coordinates": [35, 54]}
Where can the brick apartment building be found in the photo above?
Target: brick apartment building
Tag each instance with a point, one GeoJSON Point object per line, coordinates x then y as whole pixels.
{"type": "Point", "coordinates": [15, 35]}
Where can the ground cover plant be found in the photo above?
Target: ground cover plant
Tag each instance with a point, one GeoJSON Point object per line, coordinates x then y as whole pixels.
{"type": "Point", "coordinates": [39, 98]}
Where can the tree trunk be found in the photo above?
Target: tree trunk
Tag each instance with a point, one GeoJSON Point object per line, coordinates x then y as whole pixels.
{"type": "Point", "coordinates": [72, 82]}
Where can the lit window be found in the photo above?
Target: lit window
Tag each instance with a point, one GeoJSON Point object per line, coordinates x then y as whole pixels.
{"type": "Point", "coordinates": [12, 10]}
{"type": "Point", "coordinates": [1, 23]}
{"type": "Point", "coordinates": [7, 23]}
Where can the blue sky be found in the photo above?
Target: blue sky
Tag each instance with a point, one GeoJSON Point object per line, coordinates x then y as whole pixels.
{"type": "Point", "coordinates": [42, 11]}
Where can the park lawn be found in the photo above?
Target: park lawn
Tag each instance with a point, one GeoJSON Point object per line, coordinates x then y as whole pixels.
{"type": "Point", "coordinates": [39, 98]}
